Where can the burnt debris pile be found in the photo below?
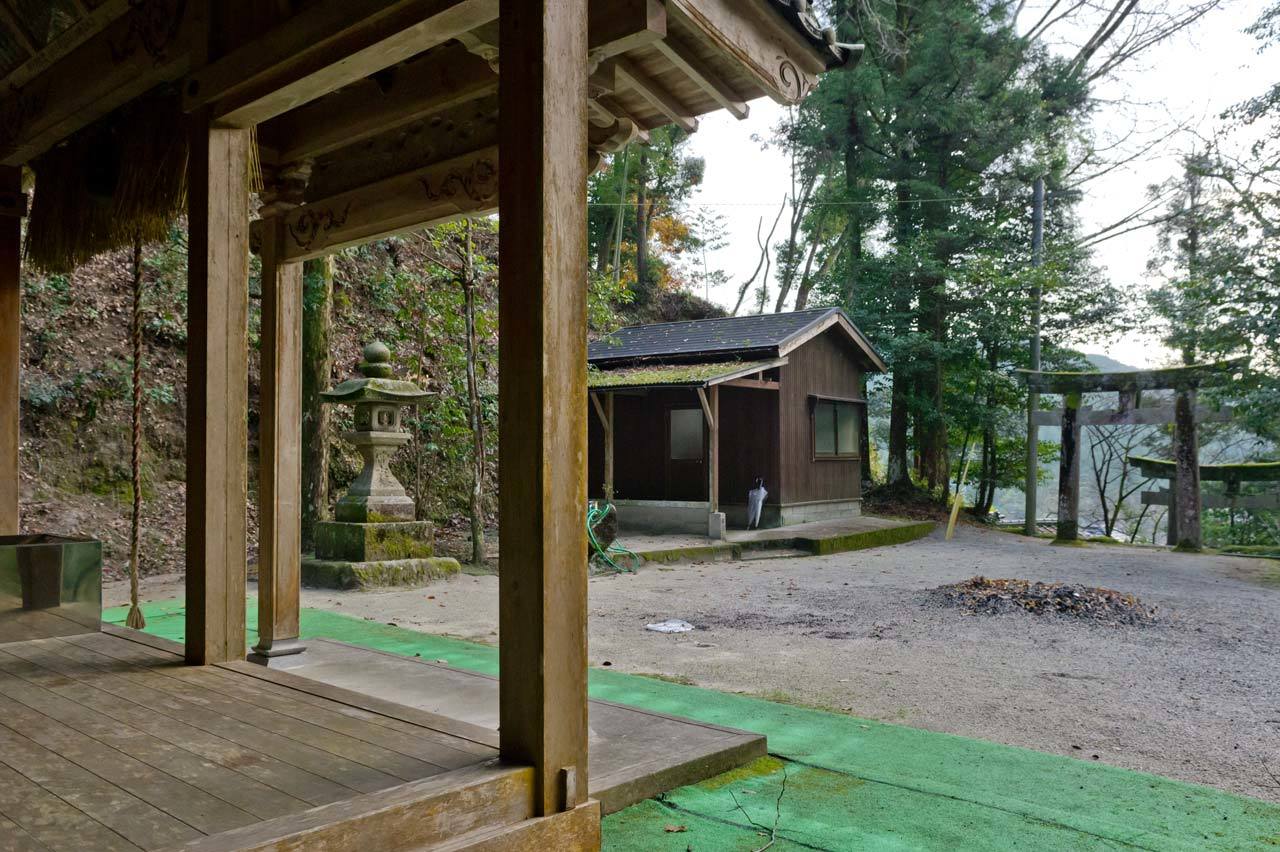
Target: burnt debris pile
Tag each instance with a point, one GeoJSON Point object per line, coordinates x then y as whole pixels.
{"type": "Point", "coordinates": [985, 596]}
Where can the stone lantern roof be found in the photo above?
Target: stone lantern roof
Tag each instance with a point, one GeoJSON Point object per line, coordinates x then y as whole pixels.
{"type": "Point", "coordinates": [378, 383]}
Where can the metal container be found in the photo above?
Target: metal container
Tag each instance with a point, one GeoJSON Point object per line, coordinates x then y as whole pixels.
{"type": "Point", "coordinates": [50, 585]}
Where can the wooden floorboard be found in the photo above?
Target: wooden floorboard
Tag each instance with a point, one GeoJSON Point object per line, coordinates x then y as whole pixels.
{"type": "Point", "coordinates": [227, 785]}
{"type": "Point", "coordinates": [134, 819]}
{"type": "Point", "coordinates": [51, 821]}
{"type": "Point", "coordinates": [110, 744]}
{"type": "Point", "coordinates": [89, 689]}
{"type": "Point", "coordinates": [14, 838]}
{"type": "Point", "coordinates": [323, 714]}
{"type": "Point", "coordinates": [33, 713]}
{"type": "Point", "coordinates": [140, 686]}
{"type": "Point", "coordinates": [182, 681]}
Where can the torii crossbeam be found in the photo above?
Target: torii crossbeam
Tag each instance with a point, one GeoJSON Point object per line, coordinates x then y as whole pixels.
{"type": "Point", "coordinates": [1184, 415]}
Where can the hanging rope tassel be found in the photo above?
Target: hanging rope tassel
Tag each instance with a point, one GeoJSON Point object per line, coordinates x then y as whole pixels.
{"type": "Point", "coordinates": [136, 619]}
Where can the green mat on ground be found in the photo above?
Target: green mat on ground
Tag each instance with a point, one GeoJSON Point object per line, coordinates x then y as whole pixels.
{"type": "Point", "coordinates": [857, 784]}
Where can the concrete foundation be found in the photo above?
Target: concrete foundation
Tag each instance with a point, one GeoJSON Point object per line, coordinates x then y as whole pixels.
{"type": "Point", "coordinates": [777, 515]}
{"type": "Point", "coordinates": [663, 516]}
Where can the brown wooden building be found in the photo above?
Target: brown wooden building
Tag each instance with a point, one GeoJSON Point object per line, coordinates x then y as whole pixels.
{"type": "Point", "coordinates": [689, 414]}
{"type": "Point", "coordinates": [349, 120]}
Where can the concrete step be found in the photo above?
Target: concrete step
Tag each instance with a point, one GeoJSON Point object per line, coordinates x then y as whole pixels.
{"type": "Point", "coordinates": [773, 553]}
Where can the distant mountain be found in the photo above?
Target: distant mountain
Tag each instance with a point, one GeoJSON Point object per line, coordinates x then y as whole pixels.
{"type": "Point", "coordinates": [1108, 365]}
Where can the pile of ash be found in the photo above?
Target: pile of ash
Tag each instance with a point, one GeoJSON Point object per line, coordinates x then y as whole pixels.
{"type": "Point", "coordinates": [983, 596]}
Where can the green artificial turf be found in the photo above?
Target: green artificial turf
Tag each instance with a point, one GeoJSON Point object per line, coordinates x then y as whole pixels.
{"type": "Point", "coordinates": [854, 784]}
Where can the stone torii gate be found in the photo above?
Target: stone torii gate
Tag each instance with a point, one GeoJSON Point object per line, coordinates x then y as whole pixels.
{"type": "Point", "coordinates": [1184, 415]}
{"type": "Point", "coordinates": [1231, 474]}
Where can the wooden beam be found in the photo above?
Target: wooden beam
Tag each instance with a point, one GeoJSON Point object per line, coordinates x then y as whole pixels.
{"type": "Point", "coordinates": [84, 28]}
{"type": "Point", "coordinates": [279, 452]}
{"type": "Point", "coordinates": [1152, 416]}
{"type": "Point", "coordinates": [464, 186]}
{"type": "Point", "coordinates": [754, 36]}
{"type": "Point", "coordinates": [217, 391]}
{"type": "Point", "coordinates": [708, 80]}
{"type": "Point", "coordinates": [10, 355]}
{"type": "Point", "coordinates": [706, 408]}
{"type": "Point", "coordinates": [755, 384]}
{"type": "Point", "coordinates": [1217, 501]}
{"type": "Point", "coordinates": [606, 111]}
{"type": "Point", "coordinates": [149, 45]}
{"type": "Point", "coordinates": [599, 407]}
{"type": "Point", "coordinates": [442, 79]}
{"type": "Point", "coordinates": [713, 463]}
{"type": "Point", "coordinates": [1216, 373]}
{"type": "Point", "coordinates": [331, 44]}
{"type": "Point", "coordinates": [620, 26]}
{"type": "Point", "coordinates": [17, 29]}
{"type": "Point", "coordinates": [658, 97]}
{"type": "Point", "coordinates": [542, 406]}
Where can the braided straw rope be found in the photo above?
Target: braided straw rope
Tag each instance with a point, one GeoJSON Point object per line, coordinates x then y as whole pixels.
{"type": "Point", "coordinates": [136, 619]}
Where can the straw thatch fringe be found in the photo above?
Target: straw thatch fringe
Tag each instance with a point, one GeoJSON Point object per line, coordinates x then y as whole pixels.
{"type": "Point", "coordinates": [122, 178]}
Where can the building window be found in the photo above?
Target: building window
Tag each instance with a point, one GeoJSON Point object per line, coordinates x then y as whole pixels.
{"type": "Point", "coordinates": [835, 429]}
{"type": "Point", "coordinates": [686, 434]}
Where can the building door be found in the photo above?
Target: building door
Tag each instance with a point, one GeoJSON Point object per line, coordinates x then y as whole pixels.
{"type": "Point", "coordinates": [686, 454]}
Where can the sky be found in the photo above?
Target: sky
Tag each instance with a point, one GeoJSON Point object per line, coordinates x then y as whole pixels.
{"type": "Point", "coordinates": [1188, 80]}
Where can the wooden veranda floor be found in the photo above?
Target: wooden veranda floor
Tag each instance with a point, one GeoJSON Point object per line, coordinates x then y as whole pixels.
{"type": "Point", "coordinates": [109, 742]}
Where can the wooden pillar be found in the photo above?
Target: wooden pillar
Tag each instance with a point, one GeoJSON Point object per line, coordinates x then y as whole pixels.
{"type": "Point", "coordinates": [1069, 471]}
{"type": "Point", "coordinates": [12, 206]}
{"type": "Point", "coordinates": [217, 391]}
{"type": "Point", "coordinates": [280, 453]}
{"type": "Point", "coordinates": [608, 447]}
{"type": "Point", "coordinates": [542, 399]}
{"type": "Point", "coordinates": [1186, 484]}
{"type": "Point", "coordinates": [710, 400]}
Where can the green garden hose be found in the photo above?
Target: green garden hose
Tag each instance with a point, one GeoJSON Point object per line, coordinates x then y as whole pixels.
{"type": "Point", "coordinates": [597, 512]}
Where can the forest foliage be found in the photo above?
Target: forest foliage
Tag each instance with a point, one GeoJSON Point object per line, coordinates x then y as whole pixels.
{"type": "Point", "coordinates": [911, 207]}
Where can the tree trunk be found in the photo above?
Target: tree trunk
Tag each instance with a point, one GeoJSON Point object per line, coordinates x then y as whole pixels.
{"type": "Point", "coordinates": [475, 413]}
{"type": "Point", "coordinates": [642, 227]}
{"type": "Point", "coordinates": [317, 324]}
{"type": "Point", "coordinates": [899, 409]}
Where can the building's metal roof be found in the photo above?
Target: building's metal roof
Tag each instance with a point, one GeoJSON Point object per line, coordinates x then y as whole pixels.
{"type": "Point", "coordinates": [676, 375]}
{"type": "Point", "coordinates": [755, 336]}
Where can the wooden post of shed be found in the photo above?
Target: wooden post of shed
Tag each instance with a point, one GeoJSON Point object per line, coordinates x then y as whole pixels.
{"type": "Point", "coordinates": [217, 391]}
{"type": "Point", "coordinates": [1069, 471]}
{"type": "Point", "coordinates": [1185, 488]}
{"type": "Point", "coordinates": [608, 447]}
{"type": "Point", "coordinates": [279, 452]}
{"type": "Point", "coordinates": [542, 396]}
{"type": "Point", "coordinates": [710, 399]}
{"type": "Point", "coordinates": [12, 207]}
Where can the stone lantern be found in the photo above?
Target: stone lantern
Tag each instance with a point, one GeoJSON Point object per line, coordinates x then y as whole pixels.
{"type": "Point", "coordinates": [374, 539]}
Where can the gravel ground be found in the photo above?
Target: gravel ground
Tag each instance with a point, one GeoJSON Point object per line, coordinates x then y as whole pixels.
{"type": "Point", "coordinates": [1195, 696]}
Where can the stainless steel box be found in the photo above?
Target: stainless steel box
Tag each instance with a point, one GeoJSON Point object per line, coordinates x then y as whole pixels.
{"type": "Point", "coordinates": [50, 585]}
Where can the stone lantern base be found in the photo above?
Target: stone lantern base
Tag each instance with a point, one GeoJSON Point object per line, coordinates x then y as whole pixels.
{"type": "Point", "coordinates": [350, 556]}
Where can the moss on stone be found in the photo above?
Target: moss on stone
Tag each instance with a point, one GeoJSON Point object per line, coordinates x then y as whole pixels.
{"type": "Point", "coordinates": [332, 574]}
{"type": "Point", "coordinates": [339, 540]}
{"type": "Point", "coordinates": [862, 540]}
{"type": "Point", "coordinates": [695, 553]}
